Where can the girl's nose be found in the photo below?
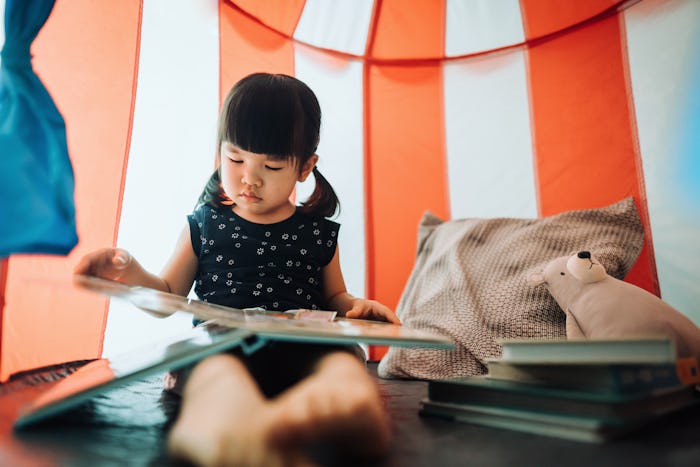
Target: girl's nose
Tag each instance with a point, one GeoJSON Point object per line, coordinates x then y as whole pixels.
{"type": "Point", "coordinates": [250, 177]}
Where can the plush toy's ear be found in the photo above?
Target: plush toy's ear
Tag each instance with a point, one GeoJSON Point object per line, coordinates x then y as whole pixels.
{"type": "Point", "coordinates": [585, 268]}
{"type": "Point", "coordinates": [536, 278]}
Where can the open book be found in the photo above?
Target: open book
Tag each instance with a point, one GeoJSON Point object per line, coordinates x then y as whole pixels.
{"type": "Point", "coordinates": [224, 328]}
{"type": "Point", "coordinates": [293, 325]}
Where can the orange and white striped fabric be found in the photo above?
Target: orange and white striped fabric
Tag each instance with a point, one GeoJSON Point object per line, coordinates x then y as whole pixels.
{"type": "Point", "coordinates": [467, 108]}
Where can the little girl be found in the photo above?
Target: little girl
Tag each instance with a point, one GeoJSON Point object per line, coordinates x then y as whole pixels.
{"type": "Point", "coordinates": [247, 245]}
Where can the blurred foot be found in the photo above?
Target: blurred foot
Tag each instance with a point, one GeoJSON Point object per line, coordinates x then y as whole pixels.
{"type": "Point", "coordinates": [225, 421]}
{"type": "Point", "coordinates": [339, 403]}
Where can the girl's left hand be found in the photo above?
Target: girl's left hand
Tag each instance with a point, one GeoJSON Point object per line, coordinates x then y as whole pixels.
{"type": "Point", "coordinates": [371, 309]}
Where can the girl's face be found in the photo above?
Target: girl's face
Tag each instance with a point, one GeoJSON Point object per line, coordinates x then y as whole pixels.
{"type": "Point", "coordinates": [260, 187]}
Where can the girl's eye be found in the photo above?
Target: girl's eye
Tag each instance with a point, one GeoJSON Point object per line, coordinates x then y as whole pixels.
{"type": "Point", "coordinates": [273, 168]}
{"type": "Point", "coordinates": [235, 161]}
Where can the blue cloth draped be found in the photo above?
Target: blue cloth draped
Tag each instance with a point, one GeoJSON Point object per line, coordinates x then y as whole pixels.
{"type": "Point", "coordinates": [37, 211]}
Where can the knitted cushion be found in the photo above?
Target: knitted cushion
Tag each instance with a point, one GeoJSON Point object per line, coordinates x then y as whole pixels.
{"type": "Point", "coordinates": [470, 282]}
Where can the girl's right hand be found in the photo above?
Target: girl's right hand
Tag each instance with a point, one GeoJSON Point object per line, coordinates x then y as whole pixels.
{"type": "Point", "coordinates": [106, 263]}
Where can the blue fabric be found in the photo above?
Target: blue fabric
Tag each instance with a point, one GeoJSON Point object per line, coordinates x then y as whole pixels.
{"type": "Point", "coordinates": [37, 212]}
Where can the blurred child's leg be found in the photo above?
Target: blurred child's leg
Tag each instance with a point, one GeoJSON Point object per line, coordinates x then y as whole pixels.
{"type": "Point", "coordinates": [338, 403]}
{"type": "Point", "coordinates": [225, 420]}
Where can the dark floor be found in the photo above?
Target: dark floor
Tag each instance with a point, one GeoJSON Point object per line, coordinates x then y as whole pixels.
{"type": "Point", "coordinates": [127, 426]}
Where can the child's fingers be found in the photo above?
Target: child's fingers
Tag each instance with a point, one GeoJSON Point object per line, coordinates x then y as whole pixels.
{"type": "Point", "coordinates": [373, 310]}
{"type": "Point", "coordinates": [117, 264]}
{"type": "Point", "coordinates": [392, 318]}
{"type": "Point", "coordinates": [92, 263]}
{"type": "Point", "coordinates": [108, 263]}
{"type": "Point", "coordinates": [354, 312]}
{"type": "Point", "coordinates": [121, 258]}
{"type": "Point", "coordinates": [388, 315]}
{"type": "Point", "coordinates": [359, 312]}
{"type": "Point", "coordinates": [83, 266]}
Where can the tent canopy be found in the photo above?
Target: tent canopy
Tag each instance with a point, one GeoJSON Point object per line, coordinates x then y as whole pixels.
{"type": "Point", "coordinates": [465, 108]}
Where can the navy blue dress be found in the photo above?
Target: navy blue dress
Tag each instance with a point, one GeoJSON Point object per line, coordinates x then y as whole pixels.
{"type": "Point", "coordinates": [277, 267]}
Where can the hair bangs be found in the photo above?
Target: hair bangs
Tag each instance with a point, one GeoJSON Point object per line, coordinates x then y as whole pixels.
{"type": "Point", "coordinates": [268, 119]}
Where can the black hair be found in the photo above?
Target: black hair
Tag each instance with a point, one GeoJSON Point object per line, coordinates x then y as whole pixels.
{"type": "Point", "coordinates": [279, 116]}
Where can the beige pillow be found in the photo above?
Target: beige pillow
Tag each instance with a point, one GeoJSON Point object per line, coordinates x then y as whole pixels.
{"type": "Point", "coordinates": [470, 282]}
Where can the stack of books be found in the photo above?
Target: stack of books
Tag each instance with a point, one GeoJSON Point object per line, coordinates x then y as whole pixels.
{"type": "Point", "coordinates": [583, 390]}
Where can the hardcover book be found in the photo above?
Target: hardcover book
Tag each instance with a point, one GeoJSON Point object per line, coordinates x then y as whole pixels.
{"type": "Point", "coordinates": [485, 391]}
{"type": "Point", "coordinates": [633, 350]}
{"type": "Point", "coordinates": [572, 427]}
{"type": "Point", "coordinates": [623, 378]}
{"type": "Point", "coordinates": [224, 328]}
{"type": "Point", "coordinates": [293, 325]}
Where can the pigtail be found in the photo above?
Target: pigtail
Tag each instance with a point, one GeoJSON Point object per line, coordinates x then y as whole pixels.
{"type": "Point", "coordinates": [323, 202]}
{"type": "Point", "coordinates": [212, 194]}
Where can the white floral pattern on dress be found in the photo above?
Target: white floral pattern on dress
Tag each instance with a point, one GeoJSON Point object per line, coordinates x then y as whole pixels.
{"type": "Point", "coordinates": [272, 266]}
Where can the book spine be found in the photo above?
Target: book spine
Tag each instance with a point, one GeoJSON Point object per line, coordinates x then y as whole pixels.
{"type": "Point", "coordinates": [635, 379]}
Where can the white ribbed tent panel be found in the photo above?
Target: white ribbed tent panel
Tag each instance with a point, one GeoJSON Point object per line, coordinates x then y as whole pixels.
{"type": "Point", "coordinates": [664, 45]}
{"type": "Point", "coordinates": [172, 149]}
{"type": "Point", "coordinates": [489, 146]}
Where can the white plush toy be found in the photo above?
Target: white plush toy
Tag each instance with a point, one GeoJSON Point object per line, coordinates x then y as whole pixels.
{"type": "Point", "coordinates": [600, 306]}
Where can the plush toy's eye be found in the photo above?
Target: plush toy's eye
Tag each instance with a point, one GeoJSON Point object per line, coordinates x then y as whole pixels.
{"type": "Point", "coordinates": [562, 273]}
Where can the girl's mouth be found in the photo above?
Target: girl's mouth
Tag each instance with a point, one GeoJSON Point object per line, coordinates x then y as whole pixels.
{"type": "Point", "coordinates": [250, 196]}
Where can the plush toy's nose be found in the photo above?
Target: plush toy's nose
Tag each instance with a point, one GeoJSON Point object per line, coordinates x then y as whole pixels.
{"type": "Point", "coordinates": [584, 268]}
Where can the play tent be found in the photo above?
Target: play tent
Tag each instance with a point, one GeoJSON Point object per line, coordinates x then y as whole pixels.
{"type": "Point", "coordinates": [466, 108]}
